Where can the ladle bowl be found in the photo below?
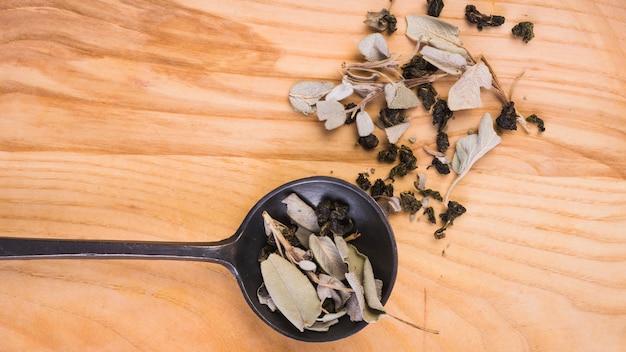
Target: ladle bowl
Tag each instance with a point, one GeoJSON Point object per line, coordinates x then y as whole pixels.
{"type": "Point", "coordinates": [239, 253]}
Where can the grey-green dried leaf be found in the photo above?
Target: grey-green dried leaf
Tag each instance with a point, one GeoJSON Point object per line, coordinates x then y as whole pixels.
{"type": "Point", "coordinates": [341, 91]}
{"type": "Point", "coordinates": [374, 47]}
{"type": "Point", "coordinates": [395, 132]}
{"type": "Point", "coordinates": [446, 61]}
{"type": "Point", "coordinates": [332, 316]}
{"type": "Point", "coordinates": [471, 148]}
{"type": "Point", "coordinates": [291, 291]}
{"type": "Point", "coordinates": [360, 268]}
{"type": "Point", "coordinates": [304, 95]}
{"type": "Point", "coordinates": [307, 265]}
{"type": "Point", "coordinates": [327, 256]}
{"type": "Point", "coordinates": [322, 326]}
{"type": "Point", "coordinates": [357, 306]}
{"type": "Point", "coordinates": [332, 112]}
{"type": "Point", "coordinates": [398, 96]}
{"type": "Point", "coordinates": [301, 213]}
{"type": "Point", "coordinates": [364, 124]}
{"type": "Point", "coordinates": [435, 32]}
{"type": "Point", "coordinates": [325, 290]}
{"type": "Point", "coordinates": [302, 235]}
{"type": "Point", "coordinates": [465, 92]}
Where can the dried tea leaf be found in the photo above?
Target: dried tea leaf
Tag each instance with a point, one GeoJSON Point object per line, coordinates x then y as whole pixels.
{"type": "Point", "coordinates": [398, 96]}
{"type": "Point", "coordinates": [465, 92]}
{"type": "Point", "coordinates": [451, 63]}
{"type": "Point", "coordinates": [340, 91]}
{"type": "Point", "coordinates": [291, 291]}
{"type": "Point", "coordinates": [304, 95]}
{"type": "Point", "coordinates": [333, 112]}
{"type": "Point", "coordinates": [395, 132]}
{"type": "Point", "coordinates": [435, 32]}
{"type": "Point", "coordinates": [525, 30]}
{"type": "Point", "coordinates": [327, 256]}
{"type": "Point", "coordinates": [301, 213]}
{"type": "Point", "coordinates": [381, 21]}
{"type": "Point", "coordinates": [470, 149]}
{"type": "Point", "coordinates": [472, 15]}
{"type": "Point", "coordinates": [364, 124]}
{"type": "Point", "coordinates": [374, 47]}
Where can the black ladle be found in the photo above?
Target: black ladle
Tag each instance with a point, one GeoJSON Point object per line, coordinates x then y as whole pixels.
{"type": "Point", "coordinates": [239, 253]}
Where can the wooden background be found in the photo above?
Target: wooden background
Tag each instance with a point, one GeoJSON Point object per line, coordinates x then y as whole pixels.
{"type": "Point", "coordinates": [168, 120]}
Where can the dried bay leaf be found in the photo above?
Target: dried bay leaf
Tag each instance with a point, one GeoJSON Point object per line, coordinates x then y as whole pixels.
{"type": "Point", "coordinates": [374, 47]}
{"type": "Point", "coordinates": [398, 96]}
{"type": "Point", "coordinates": [305, 94]}
{"type": "Point", "coordinates": [325, 290]}
{"type": "Point", "coordinates": [358, 307]}
{"type": "Point", "coordinates": [465, 92]}
{"type": "Point", "coordinates": [333, 112]}
{"type": "Point", "coordinates": [361, 274]}
{"type": "Point", "coordinates": [446, 61]}
{"type": "Point", "coordinates": [291, 291]}
{"type": "Point", "coordinates": [327, 256]}
{"type": "Point", "coordinates": [301, 213]}
{"type": "Point", "coordinates": [471, 148]}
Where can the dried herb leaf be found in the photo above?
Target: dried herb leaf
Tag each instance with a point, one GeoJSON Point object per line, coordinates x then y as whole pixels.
{"type": "Point", "coordinates": [446, 61]}
{"type": "Point", "coordinates": [291, 291]}
{"type": "Point", "coordinates": [360, 276]}
{"type": "Point", "coordinates": [304, 95]}
{"type": "Point", "coordinates": [301, 213]}
{"type": "Point", "coordinates": [465, 92]}
{"type": "Point", "coordinates": [327, 256]}
{"type": "Point", "coordinates": [332, 112]}
{"type": "Point", "coordinates": [374, 47]}
{"type": "Point", "coordinates": [264, 297]}
{"type": "Point", "coordinates": [417, 67]}
{"type": "Point", "coordinates": [364, 124]}
{"type": "Point", "coordinates": [398, 96]}
{"type": "Point", "coordinates": [436, 33]}
{"type": "Point", "coordinates": [341, 91]}
{"type": "Point", "coordinates": [395, 132]}
{"type": "Point", "coordinates": [368, 142]}
{"type": "Point", "coordinates": [470, 149]}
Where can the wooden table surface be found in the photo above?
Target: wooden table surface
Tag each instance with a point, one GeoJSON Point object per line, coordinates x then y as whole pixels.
{"type": "Point", "coordinates": [168, 120]}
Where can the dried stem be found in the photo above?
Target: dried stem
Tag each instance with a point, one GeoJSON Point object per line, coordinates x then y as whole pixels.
{"type": "Point", "coordinates": [432, 331]}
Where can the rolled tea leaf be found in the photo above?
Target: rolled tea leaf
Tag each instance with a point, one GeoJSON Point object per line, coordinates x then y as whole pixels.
{"type": "Point", "coordinates": [291, 291]}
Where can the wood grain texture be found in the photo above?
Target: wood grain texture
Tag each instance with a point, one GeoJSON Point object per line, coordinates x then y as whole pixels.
{"type": "Point", "coordinates": [168, 120]}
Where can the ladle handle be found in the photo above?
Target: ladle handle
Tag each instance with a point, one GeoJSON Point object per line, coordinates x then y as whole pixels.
{"type": "Point", "coordinates": [39, 248]}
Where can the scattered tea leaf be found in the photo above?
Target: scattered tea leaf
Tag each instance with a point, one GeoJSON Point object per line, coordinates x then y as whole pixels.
{"type": "Point", "coordinates": [417, 67]}
{"type": "Point", "coordinates": [451, 63]}
{"type": "Point", "coordinates": [441, 114]}
{"type": "Point", "coordinates": [508, 117]}
{"type": "Point", "coordinates": [291, 291]}
{"type": "Point", "coordinates": [301, 213]}
{"type": "Point", "coordinates": [409, 203]}
{"type": "Point", "coordinates": [374, 47]}
{"type": "Point", "coordinates": [332, 112]}
{"type": "Point", "coordinates": [327, 256]}
{"type": "Point", "coordinates": [389, 155]}
{"type": "Point", "coordinates": [470, 149]}
{"type": "Point", "coordinates": [368, 142]}
{"type": "Point", "coordinates": [472, 15]}
{"type": "Point", "coordinates": [442, 142]}
{"type": "Point", "coordinates": [426, 92]}
{"type": "Point", "coordinates": [304, 95]}
{"type": "Point", "coordinates": [538, 121]}
{"type": "Point", "coordinates": [465, 92]}
{"type": "Point", "coordinates": [525, 30]}
{"type": "Point", "coordinates": [430, 214]}
{"type": "Point", "coordinates": [390, 117]}
{"type": "Point", "coordinates": [382, 21]}
{"type": "Point", "coordinates": [380, 188]}
{"type": "Point", "coordinates": [363, 181]}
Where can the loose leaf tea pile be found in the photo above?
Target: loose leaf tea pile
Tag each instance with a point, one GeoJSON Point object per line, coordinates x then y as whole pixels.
{"type": "Point", "coordinates": [405, 85]}
{"type": "Point", "coordinates": [311, 273]}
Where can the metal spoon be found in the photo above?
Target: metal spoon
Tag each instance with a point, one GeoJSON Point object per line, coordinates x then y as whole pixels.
{"type": "Point", "coordinates": [239, 253]}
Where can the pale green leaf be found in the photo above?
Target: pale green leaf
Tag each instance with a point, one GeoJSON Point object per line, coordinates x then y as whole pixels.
{"type": "Point", "coordinates": [301, 213]}
{"type": "Point", "coordinates": [291, 291]}
{"type": "Point", "coordinates": [327, 256]}
{"type": "Point", "coordinates": [364, 124]}
{"type": "Point", "coordinates": [398, 96]}
{"type": "Point", "coordinates": [396, 131]}
{"type": "Point", "coordinates": [358, 306]}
